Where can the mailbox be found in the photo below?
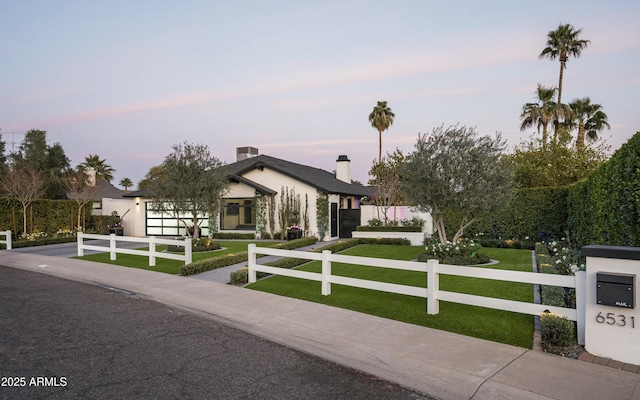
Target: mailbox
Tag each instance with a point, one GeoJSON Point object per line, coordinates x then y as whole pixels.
{"type": "Point", "coordinates": [615, 289]}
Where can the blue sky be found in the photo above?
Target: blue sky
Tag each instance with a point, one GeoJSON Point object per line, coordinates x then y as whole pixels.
{"type": "Point", "coordinates": [297, 79]}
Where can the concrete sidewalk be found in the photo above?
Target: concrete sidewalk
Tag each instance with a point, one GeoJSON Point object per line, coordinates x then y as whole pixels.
{"type": "Point", "coordinates": [438, 363]}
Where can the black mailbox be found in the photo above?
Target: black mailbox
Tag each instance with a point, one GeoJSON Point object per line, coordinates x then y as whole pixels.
{"type": "Point", "coordinates": [615, 289]}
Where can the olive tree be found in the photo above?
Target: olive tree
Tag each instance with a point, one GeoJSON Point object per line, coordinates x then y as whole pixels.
{"type": "Point", "coordinates": [456, 169]}
{"type": "Point", "coordinates": [190, 185]}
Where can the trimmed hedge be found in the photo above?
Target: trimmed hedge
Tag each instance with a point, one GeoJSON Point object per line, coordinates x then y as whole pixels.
{"type": "Point", "coordinates": [236, 258]}
{"type": "Point", "coordinates": [40, 242]}
{"type": "Point", "coordinates": [366, 228]}
{"type": "Point", "coordinates": [557, 331]}
{"type": "Point", "coordinates": [234, 236]}
{"type": "Point", "coordinates": [42, 215]}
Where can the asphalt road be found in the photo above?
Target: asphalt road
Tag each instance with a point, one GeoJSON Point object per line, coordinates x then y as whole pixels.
{"type": "Point", "coordinates": [67, 340]}
{"type": "Point", "coordinates": [71, 249]}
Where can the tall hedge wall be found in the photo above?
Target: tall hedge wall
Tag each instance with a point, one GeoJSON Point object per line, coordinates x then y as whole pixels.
{"type": "Point", "coordinates": [539, 214]}
{"type": "Point", "coordinates": [605, 207]}
{"type": "Point", "coordinates": [42, 215]}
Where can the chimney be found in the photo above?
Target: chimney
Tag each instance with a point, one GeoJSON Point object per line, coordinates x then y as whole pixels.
{"type": "Point", "coordinates": [343, 169]}
{"type": "Point", "coordinates": [242, 153]}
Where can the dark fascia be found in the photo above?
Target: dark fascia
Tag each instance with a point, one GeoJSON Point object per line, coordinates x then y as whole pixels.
{"type": "Point", "coordinates": [603, 251]}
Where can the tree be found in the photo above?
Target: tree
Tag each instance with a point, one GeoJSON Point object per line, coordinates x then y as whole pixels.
{"type": "Point", "coordinates": [192, 183]}
{"type": "Point", "coordinates": [560, 164]}
{"type": "Point", "coordinates": [381, 118]}
{"type": "Point", "coordinates": [49, 161]}
{"type": "Point", "coordinates": [590, 120]}
{"type": "Point", "coordinates": [543, 113]}
{"type": "Point", "coordinates": [126, 183]}
{"type": "Point", "coordinates": [562, 43]}
{"type": "Point", "coordinates": [103, 170]}
{"type": "Point", "coordinates": [26, 185]}
{"type": "Point", "coordinates": [387, 179]}
{"type": "Point", "coordinates": [3, 158]}
{"type": "Point", "coordinates": [456, 169]}
{"type": "Point", "coordinates": [153, 174]}
{"type": "Point", "coordinates": [77, 185]}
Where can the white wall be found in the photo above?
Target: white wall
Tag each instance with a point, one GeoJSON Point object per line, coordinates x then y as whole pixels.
{"type": "Point", "coordinates": [401, 212]}
{"type": "Point", "coordinates": [133, 211]}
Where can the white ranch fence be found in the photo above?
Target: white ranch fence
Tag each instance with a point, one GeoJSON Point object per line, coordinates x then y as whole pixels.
{"type": "Point", "coordinates": [7, 238]}
{"type": "Point", "coordinates": [151, 241]}
{"type": "Point", "coordinates": [432, 293]}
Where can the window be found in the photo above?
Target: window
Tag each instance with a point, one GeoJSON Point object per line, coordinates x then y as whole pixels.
{"type": "Point", "coordinates": [238, 214]}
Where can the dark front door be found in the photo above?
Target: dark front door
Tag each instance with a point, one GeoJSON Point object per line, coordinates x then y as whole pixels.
{"type": "Point", "coordinates": [349, 219]}
{"type": "Point", "coordinates": [334, 219]}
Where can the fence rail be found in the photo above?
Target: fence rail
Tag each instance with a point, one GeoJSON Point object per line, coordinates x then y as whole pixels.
{"type": "Point", "coordinates": [432, 292]}
{"type": "Point", "coordinates": [151, 241]}
{"type": "Point", "coordinates": [7, 238]}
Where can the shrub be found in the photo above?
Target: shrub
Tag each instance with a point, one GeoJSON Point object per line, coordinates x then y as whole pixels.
{"type": "Point", "coordinates": [553, 296]}
{"type": "Point", "coordinates": [234, 235]}
{"type": "Point", "coordinates": [364, 228]}
{"type": "Point", "coordinates": [557, 331]}
{"type": "Point", "coordinates": [507, 244]}
{"type": "Point", "coordinates": [239, 277]}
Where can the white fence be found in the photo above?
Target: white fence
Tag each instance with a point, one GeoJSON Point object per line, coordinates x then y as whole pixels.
{"type": "Point", "coordinates": [7, 238]}
{"type": "Point", "coordinates": [432, 293]}
{"type": "Point", "coordinates": [151, 241]}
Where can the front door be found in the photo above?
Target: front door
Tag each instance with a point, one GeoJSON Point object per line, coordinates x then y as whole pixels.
{"type": "Point", "coordinates": [334, 219]}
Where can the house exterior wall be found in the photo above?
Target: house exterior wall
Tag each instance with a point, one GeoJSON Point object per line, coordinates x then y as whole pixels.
{"type": "Point", "coordinates": [401, 212]}
{"type": "Point", "coordinates": [130, 210]}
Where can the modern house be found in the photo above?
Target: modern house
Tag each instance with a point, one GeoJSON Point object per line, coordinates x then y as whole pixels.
{"type": "Point", "coordinates": [266, 195]}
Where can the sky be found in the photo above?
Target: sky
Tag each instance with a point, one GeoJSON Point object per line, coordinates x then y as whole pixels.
{"type": "Point", "coordinates": [127, 80]}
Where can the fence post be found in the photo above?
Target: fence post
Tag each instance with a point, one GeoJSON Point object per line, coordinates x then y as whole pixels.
{"type": "Point", "coordinates": [433, 307]}
{"type": "Point", "coordinates": [581, 304]}
{"type": "Point", "coordinates": [8, 239]}
{"type": "Point", "coordinates": [251, 278]}
{"type": "Point", "coordinates": [188, 251]}
{"type": "Point", "coordinates": [112, 246]}
{"type": "Point", "coordinates": [326, 273]}
{"type": "Point", "coordinates": [80, 243]}
{"type": "Point", "coordinates": [152, 251]}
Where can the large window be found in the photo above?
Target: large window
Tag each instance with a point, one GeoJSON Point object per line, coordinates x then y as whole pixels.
{"type": "Point", "coordinates": [165, 224]}
{"type": "Point", "coordinates": [238, 214]}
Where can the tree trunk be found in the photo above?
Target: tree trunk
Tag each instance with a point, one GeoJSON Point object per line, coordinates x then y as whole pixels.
{"type": "Point", "coordinates": [24, 219]}
{"type": "Point", "coordinates": [439, 223]}
{"type": "Point", "coordinates": [379, 145]}
{"type": "Point", "coordinates": [563, 60]}
{"type": "Point", "coordinates": [580, 138]}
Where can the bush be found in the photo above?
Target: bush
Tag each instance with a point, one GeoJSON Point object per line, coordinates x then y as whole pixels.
{"type": "Point", "coordinates": [364, 228]}
{"type": "Point", "coordinates": [557, 331]}
{"type": "Point", "coordinates": [234, 236]}
{"type": "Point", "coordinates": [507, 244]}
{"type": "Point", "coordinates": [40, 242]}
{"type": "Point", "coordinates": [239, 277]}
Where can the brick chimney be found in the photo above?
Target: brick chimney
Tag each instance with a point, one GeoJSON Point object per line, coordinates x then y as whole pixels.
{"type": "Point", "coordinates": [343, 168]}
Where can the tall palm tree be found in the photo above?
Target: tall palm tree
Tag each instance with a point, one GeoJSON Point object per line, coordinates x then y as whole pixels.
{"type": "Point", "coordinates": [126, 183]}
{"type": "Point", "coordinates": [381, 118]}
{"type": "Point", "coordinates": [546, 111]}
{"type": "Point", "coordinates": [590, 119]}
{"type": "Point", "coordinates": [103, 170]}
{"type": "Point", "coordinates": [562, 43]}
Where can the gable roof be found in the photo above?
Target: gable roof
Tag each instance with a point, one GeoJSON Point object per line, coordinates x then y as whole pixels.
{"type": "Point", "coordinates": [102, 189]}
{"type": "Point", "coordinates": [315, 177]}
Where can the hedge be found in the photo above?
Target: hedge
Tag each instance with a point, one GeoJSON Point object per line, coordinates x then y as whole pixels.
{"type": "Point", "coordinates": [367, 228]}
{"type": "Point", "coordinates": [43, 215]}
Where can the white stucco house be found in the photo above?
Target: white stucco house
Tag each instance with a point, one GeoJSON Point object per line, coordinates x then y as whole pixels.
{"type": "Point", "coordinates": [256, 180]}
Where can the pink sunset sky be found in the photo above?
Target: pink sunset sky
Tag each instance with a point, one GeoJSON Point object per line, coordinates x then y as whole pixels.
{"type": "Point", "coordinates": [127, 80]}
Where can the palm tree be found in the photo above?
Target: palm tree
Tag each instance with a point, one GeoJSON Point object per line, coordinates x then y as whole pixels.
{"type": "Point", "coordinates": [543, 113]}
{"type": "Point", "coordinates": [103, 170]}
{"type": "Point", "coordinates": [562, 43]}
{"type": "Point", "coordinates": [590, 119]}
{"type": "Point", "coordinates": [381, 118]}
{"type": "Point", "coordinates": [126, 183]}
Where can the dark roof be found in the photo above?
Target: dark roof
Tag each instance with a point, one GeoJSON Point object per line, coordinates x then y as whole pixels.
{"type": "Point", "coordinates": [318, 178]}
{"type": "Point", "coordinates": [101, 190]}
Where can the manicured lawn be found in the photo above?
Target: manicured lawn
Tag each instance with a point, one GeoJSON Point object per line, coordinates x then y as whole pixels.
{"type": "Point", "coordinates": [500, 326]}
{"type": "Point", "coordinates": [171, 266]}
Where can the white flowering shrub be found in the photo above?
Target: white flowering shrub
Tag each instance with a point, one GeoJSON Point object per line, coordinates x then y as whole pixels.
{"type": "Point", "coordinates": [462, 252]}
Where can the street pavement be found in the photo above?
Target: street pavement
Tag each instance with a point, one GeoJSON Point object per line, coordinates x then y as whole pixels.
{"type": "Point", "coordinates": [441, 364]}
{"type": "Point", "coordinates": [68, 340]}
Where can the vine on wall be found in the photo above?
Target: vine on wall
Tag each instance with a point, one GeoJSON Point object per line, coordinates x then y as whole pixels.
{"type": "Point", "coordinates": [322, 209]}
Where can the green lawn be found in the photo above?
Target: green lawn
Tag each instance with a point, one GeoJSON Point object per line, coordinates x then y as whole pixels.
{"type": "Point", "coordinates": [500, 326]}
{"type": "Point", "coordinates": [170, 266]}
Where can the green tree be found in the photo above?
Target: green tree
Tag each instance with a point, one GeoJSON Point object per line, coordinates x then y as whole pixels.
{"type": "Point", "coordinates": [3, 158]}
{"type": "Point", "coordinates": [103, 170]}
{"type": "Point", "coordinates": [381, 118]}
{"type": "Point", "coordinates": [77, 186]}
{"type": "Point", "coordinates": [152, 175]}
{"type": "Point", "coordinates": [590, 120]}
{"type": "Point", "coordinates": [562, 43]}
{"type": "Point", "coordinates": [456, 169]}
{"type": "Point", "coordinates": [544, 112]}
{"type": "Point", "coordinates": [192, 183]}
{"type": "Point", "coordinates": [126, 183]}
{"type": "Point", "coordinates": [49, 161]}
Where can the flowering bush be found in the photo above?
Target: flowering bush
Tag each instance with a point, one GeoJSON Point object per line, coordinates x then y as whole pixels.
{"type": "Point", "coordinates": [65, 233]}
{"type": "Point", "coordinates": [565, 259]}
{"type": "Point", "coordinates": [463, 252]}
{"type": "Point", "coordinates": [33, 236]}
